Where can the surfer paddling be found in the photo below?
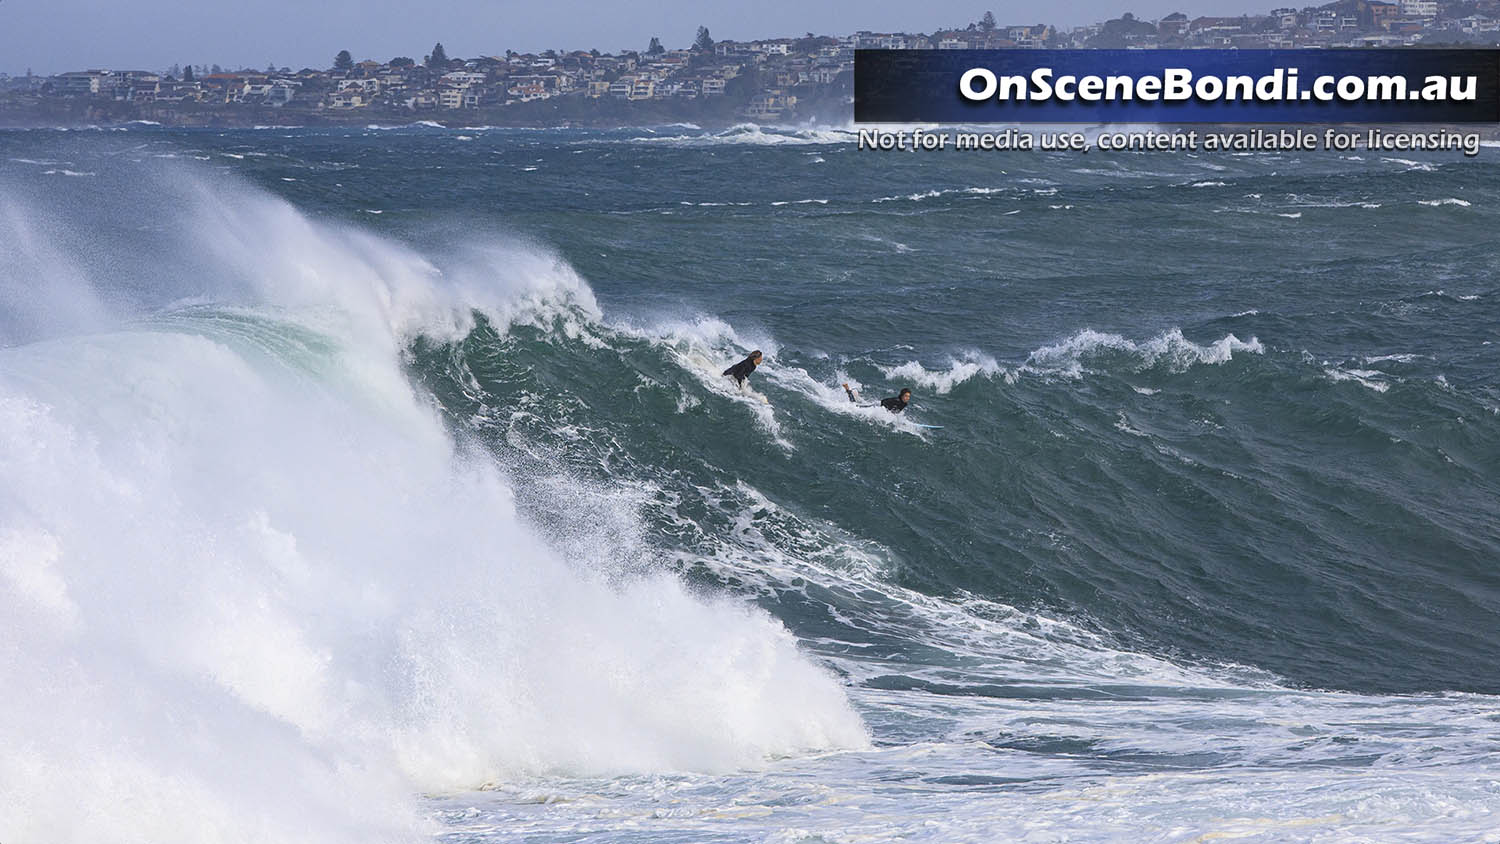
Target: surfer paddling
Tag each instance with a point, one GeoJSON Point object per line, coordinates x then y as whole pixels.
{"type": "Point", "coordinates": [894, 404]}
{"type": "Point", "coordinates": [740, 371]}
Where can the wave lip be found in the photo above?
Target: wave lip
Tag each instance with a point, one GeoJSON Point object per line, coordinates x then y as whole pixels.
{"type": "Point", "coordinates": [1170, 349]}
{"type": "Point", "coordinates": [970, 365]}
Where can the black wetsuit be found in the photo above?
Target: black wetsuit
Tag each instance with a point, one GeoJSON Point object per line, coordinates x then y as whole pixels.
{"type": "Point", "coordinates": [894, 404]}
{"type": "Point", "coordinates": [741, 370]}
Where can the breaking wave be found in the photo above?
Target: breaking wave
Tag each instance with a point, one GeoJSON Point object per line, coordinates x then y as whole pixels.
{"type": "Point", "coordinates": [265, 594]}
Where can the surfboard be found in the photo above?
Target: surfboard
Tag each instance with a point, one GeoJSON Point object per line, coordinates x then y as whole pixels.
{"type": "Point", "coordinates": [747, 390]}
{"type": "Point", "coordinates": [933, 427]}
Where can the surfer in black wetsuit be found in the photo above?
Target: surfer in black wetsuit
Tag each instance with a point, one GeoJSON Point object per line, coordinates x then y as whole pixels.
{"type": "Point", "coordinates": [740, 371]}
{"type": "Point", "coordinates": [894, 404]}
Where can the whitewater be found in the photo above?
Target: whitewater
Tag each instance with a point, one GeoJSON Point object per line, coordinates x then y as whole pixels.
{"type": "Point", "coordinates": [318, 525]}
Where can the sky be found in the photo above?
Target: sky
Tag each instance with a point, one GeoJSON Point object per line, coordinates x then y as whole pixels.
{"type": "Point", "coordinates": [52, 36]}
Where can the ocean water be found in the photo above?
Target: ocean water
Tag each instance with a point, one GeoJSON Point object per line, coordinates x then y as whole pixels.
{"type": "Point", "coordinates": [379, 485]}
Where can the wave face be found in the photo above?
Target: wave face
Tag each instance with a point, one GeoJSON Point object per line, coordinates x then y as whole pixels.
{"type": "Point", "coordinates": [238, 551]}
{"type": "Point", "coordinates": [343, 469]}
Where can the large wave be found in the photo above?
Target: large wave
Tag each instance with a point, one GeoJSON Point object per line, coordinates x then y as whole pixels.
{"type": "Point", "coordinates": [254, 590]}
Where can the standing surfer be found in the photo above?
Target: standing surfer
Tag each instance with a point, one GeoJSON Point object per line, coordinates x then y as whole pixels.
{"type": "Point", "coordinates": [740, 371]}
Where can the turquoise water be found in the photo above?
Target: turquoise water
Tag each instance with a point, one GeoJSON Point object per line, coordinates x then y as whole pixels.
{"type": "Point", "coordinates": [1206, 543]}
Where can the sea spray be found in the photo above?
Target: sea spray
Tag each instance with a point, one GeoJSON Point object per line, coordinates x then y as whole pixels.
{"type": "Point", "coordinates": [255, 591]}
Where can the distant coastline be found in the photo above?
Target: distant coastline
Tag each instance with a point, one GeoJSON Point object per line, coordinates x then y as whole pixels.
{"type": "Point", "coordinates": [713, 84]}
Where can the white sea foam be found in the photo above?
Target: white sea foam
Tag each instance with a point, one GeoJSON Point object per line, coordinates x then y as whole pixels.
{"type": "Point", "coordinates": [1410, 164]}
{"type": "Point", "coordinates": [704, 346]}
{"type": "Point", "coordinates": [1170, 348]}
{"type": "Point", "coordinates": [913, 197]}
{"type": "Point", "coordinates": [934, 193]}
{"type": "Point", "coordinates": [960, 369]}
{"type": "Point", "coordinates": [756, 135]}
{"type": "Point", "coordinates": [1364, 377]}
{"type": "Point", "coordinates": [1448, 201]}
{"type": "Point", "coordinates": [264, 596]}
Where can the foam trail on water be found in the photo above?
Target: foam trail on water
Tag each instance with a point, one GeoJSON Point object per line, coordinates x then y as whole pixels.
{"type": "Point", "coordinates": [252, 590]}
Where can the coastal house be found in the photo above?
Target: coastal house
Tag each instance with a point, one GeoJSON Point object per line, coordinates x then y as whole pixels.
{"type": "Point", "coordinates": [818, 75]}
{"type": "Point", "coordinates": [1419, 8]}
{"type": "Point", "coordinates": [463, 78]}
{"type": "Point", "coordinates": [1478, 24]}
{"type": "Point", "coordinates": [347, 98]}
{"type": "Point", "coordinates": [178, 92]}
{"type": "Point", "coordinates": [80, 82]}
{"type": "Point", "coordinates": [643, 89]}
{"type": "Point", "coordinates": [1382, 13]}
{"type": "Point", "coordinates": [1379, 39]}
{"type": "Point", "coordinates": [770, 105]}
{"type": "Point", "coordinates": [527, 87]}
{"type": "Point", "coordinates": [1030, 37]}
{"type": "Point", "coordinates": [728, 49]}
{"type": "Point", "coordinates": [369, 87]}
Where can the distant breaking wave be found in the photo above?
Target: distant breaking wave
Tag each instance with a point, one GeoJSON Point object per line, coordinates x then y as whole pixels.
{"type": "Point", "coordinates": [1170, 349]}
{"type": "Point", "coordinates": [756, 135]}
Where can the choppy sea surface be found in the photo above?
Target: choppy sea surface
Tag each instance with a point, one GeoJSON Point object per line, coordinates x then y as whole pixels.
{"type": "Point", "coordinates": [380, 485]}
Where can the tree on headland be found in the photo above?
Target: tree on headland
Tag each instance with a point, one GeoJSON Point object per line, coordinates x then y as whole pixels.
{"type": "Point", "coordinates": [403, 61]}
{"type": "Point", "coordinates": [704, 41]}
{"type": "Point", "coordinates": [810, 43]}
{"type": "Point", "coordinates": [1121, 32]}
{"type": "Point", "coordinates": [655, 48]}
{"type": "Point", "coordinates": [343, 61]}
{"type": "Point", "coordinates": [187, 73]}
{"type": "Point", "coordinates": [987, 23]}
{"type": "Point", "coordinates": [439, 57]}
